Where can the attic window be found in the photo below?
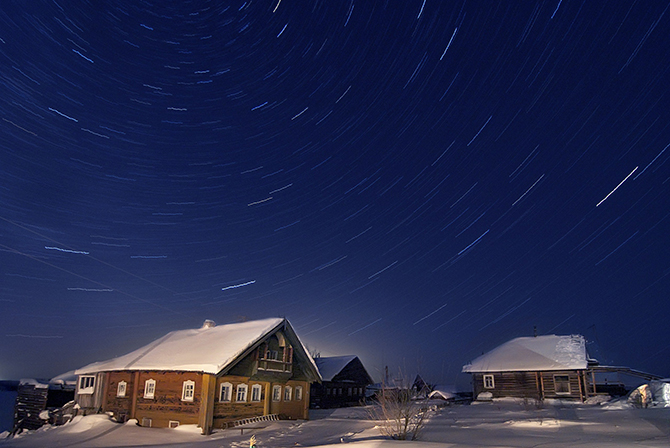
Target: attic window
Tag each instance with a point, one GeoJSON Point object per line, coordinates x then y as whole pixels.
{"type": "Point", "coordinates": [86, 384]}
{"type": "Point", "coordinates": [489, 383]}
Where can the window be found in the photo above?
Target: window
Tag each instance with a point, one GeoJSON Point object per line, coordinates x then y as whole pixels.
{"type": "Point", "coordinates": [288, 392]}
{"type": "Point", "coordinates": [241, 392]}
{"type": "Point", "coordinates": [146, 422]}
{"type": "Point", "coordinates": [350, 392]}
{"type": "Point", "coordinates": [121, 389]}
{"type": "Point", "coordinates": [276, 393]}
{"type": "Point", "coordinates": [86, 384]}
{"type": "Point", "coordinates": [188, 391]}
{"type": "Point", "coordinates": [562, 384]}
{"type": "Point", "coordinates": [149, 389]}
{"type": "Point", "coordinates": [256, 391]}
{"type": "Point", "coordinates": [226, 391]}
{"type": "Point", "coordinates": [488, 382]}
{"type": "Point", "coordinates": [173, 423]}
{"type": "Point", "coordinates": [298, 393]}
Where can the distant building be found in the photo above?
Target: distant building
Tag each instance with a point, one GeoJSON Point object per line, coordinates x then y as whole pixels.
{"type": "Point", "coordinates": [209, 376]}
{"type": "Point", "coordinates": [540, 367]}
{"type": "Point", "coordinates": [344, 382]}
{"type": "Point", "coordinates": [37, 401]}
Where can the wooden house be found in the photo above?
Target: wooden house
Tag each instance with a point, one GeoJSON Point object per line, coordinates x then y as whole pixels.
{"type": "Point", "coordinates": [534, 367]}
{"type": "Point", "coordinates": [210, 376]}
{"type": "Point", "coordinates": [344, 382]}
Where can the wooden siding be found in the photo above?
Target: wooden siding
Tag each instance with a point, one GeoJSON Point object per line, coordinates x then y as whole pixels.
{"type": "Point", "coordinates": [121, 407]}
{"type": "Point", "coordinates": [92, 402]}
{"type": "Point", "coordinates": [228, 411]}
{"type": "Point", "coordinates": [537, 385]}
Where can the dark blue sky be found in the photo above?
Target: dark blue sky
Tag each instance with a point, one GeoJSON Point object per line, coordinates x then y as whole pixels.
{"type": "Point", "coordinates": [414, 182]}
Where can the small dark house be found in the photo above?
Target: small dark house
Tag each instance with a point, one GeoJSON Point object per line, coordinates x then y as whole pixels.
{"type": "Point", "coordinates": [534, 367]}
{"type": "Point", "coordinates": [344, 382]}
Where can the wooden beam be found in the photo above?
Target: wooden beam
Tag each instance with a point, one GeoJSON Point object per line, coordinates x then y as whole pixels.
{"type": "Point", "coordinates": [206, 417]}
{"type": "Point", "coordinates": [136, 386]}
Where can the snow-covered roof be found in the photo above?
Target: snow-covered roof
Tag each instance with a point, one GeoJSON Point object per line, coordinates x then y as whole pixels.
{"type": "Point", "coordinates": [207, 349]}
{"type": "Point", "coordinates": [332, 365]}
{"type": "Point", "coordinates": [539, 353]}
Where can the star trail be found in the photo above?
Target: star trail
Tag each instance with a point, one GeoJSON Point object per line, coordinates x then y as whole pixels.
{"type": "Point", "coordinates": [412, 182]}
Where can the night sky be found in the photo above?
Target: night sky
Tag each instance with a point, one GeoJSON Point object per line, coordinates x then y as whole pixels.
{"type": "Point", "coordinates": [414, 182]}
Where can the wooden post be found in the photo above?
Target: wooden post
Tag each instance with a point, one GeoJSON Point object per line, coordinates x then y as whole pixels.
{"type": "Point", "coordinates": [580, 380]}
{"type": "Point", "coordinates": [268, 399]}
{"type": "Point", "coordinates": [206, 417]}
{"type": "Point", "coordinates": [105, 391]}
{"type": "Point", "coordinates": [305, 396]}
{"type": "Point", "coordinates": [136, 386]}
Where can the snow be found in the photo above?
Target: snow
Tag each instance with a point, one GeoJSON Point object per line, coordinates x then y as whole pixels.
{"type": "Point", "coordinates": [501, 423]}
{"type": "Point", "coordinates": [539, 353]}
{"type": "Point", "coordinates": [332, 365]}
{"type": "Point", "coordinates": [207, 349]}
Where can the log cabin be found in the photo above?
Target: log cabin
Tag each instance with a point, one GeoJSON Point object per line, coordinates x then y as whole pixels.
{"type": "Point", "coordinates": [344, 382]}
{"type": "Point", "coordinates": [537, 367]}
{"type": "Point", "coordinates": [210, 377]}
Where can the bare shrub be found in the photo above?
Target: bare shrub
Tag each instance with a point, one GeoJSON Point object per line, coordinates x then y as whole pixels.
{"type": "Point", "coordinates": [402, 418]}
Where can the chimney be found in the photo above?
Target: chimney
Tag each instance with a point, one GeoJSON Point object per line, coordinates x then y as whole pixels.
{"type": "Point", "coordinates": [208, 323]}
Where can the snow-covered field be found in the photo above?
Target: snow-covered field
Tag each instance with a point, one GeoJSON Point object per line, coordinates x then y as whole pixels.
{"type": "Point", "coordinates": [497, 424]}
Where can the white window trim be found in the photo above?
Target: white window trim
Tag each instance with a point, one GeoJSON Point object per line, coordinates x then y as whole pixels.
{"type": "Point", "coordinates": [254, 388]}
{"type": "Point", "coordinates": [229, 396]}
{"type": "Point", "coordinates": [150, 392]}
{"type": "Point", "coordinates": [288, 393]}
{"type": "Point", "coordinates": [276, 393]}
{"type": "Point", "coordinates": [492, 382]}
{"type": "Point", "coordinates": [173, 423]}
{"type": "Point", "coordinates": [89, 381]}
{"type": "Point", "coordinates": [188, 390]}
{"type": "Point", "coordinates": [298, 393]}
{"type": "Point", "coordinates": [121, 389]}
{"type": "Point", "coordinates": [245, 392]}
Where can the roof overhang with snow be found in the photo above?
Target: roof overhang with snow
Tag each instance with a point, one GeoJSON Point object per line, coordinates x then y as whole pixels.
{"type": "Point", "coordinates": [541, 353]}
{"type": "Point", "coordinates": [210, 349]}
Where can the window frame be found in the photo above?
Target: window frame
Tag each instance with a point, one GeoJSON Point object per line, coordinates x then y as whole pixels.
{"type": "Point", "coordinates": [288, 393]}
{"type": "Point", "coordinates": [566, 383]}
{"type": "Point", "coordinates": [229, 392]}
{"type": "Point", "coordinates": [150, 389]}
{"type": "Point", "coordinates": [298, 393]}
{"type": "Point", "coordinates": [256, 393]}
{"type": "Point", "coordinates": [121, 389]}
{"type": "Point", "coordinates": [86, 384]}
{"type": "Point", "coordinates": [276, 393]}
{"type": "Point", "coordinates": [489, 381]}
{"type": "Point", "coordinates": [188, 390]}
{"type": "Point", "coordinates": [244, 390]}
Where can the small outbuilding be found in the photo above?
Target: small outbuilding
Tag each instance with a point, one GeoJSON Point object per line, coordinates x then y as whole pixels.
{"type": "Point", "coordinates": [212, 376]}
{"type": "Point", "coordinates": [537, 367]}
{"type": "Point", "coordinates": [344, 382]}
